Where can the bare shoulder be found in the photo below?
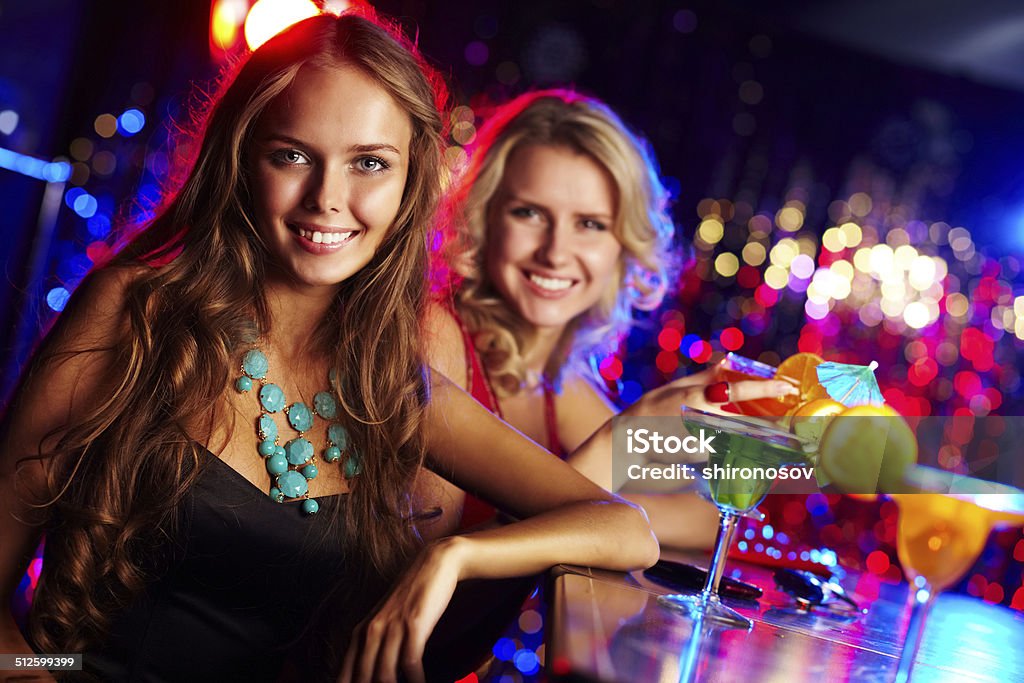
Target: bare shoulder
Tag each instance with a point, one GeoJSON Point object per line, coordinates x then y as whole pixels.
{"type": "Point", "coordinates": [444, 344]}
{"type": "Point", "coordinates": [581, 409]}
{"type": "Point", "coordinates": [96, 311]}
{"type": "Point", "coordinates": [76, 364]}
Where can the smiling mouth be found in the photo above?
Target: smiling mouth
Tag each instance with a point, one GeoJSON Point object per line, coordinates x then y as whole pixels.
{"type": "Point", "coordinates": [324, 237]}
{"type": "Point", "coordinates": [550, 284]}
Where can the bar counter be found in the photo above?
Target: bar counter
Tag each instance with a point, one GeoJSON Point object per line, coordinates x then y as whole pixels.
{"type": "Point", "coordinates": [608, 627]}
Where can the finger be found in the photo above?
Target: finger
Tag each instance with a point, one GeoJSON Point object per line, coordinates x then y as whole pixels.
{"type": "Point", "coordinates": [349, 664]}
{"type": "Point", "coordinates": [749, 390]}
{"type": "Point", "coordinates": [412, 656]}
{"type": "Point", "coordinates": [387, 656]}
{"type": "Point", "coordinates": [371, 646]}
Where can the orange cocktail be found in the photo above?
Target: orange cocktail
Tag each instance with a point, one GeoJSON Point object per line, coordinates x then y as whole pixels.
{"type": "Point", "coordinates": [940, 535]}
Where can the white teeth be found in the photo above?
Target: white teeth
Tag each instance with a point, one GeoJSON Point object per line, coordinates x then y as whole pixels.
{"type": "Point", "coordinates": [317, 237]}
{"type": "Point", "coordinates": [550, 283]}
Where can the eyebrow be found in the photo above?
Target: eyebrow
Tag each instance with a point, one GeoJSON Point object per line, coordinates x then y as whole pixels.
{"type": "Point", "coordinates": [359, 149]}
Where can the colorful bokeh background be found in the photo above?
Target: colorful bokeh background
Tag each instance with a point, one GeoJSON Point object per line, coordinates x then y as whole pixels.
{"type": "Point", "coordinates": [835, 194]}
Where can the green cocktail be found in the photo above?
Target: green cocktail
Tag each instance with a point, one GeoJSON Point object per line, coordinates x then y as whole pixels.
{"type": "Point", "coordinates": [747, 453]}
{"type": "Point", "coordinates": [746, 458]}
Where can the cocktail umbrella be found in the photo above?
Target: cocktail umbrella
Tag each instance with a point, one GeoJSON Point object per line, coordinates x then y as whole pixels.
{"type": "Point", "coordinates": [851, 385]}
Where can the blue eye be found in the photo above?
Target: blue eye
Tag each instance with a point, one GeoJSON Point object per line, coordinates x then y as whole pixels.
{"type": "Point", "coordinates": [372, 164]}
{"type": "Point", "coordinates": [289, 157]}
{"type": "Point", "coordinates": [525, 212]}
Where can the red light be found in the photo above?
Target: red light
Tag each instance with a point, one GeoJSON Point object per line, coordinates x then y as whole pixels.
{"type": "Point", "coordinates": [1018, 599]}
{"type": "Point", "coordinates": [669, 339]}
{"type": "Point", "coordinates": [810, 340]}
{"type": "Point", "coordinates": [667, 362]}
{"type": "Point", "coordinates": [922, 372]}
{"type": "Point", "coordinates": [766, 296]}
{"type": "Point", "coordinates": [732, 339]}
{"type": "Point", "coordinates": [967, 383]}
{"type": "Point", "coordinates": [700, 351]}
{"type": "Point", "coordinates": [611, 368]}
{"type": "Point", "coordinates": [977, 585]}
{"type": "Point", "coordinates": [994, 594]}
{"type": "Point", "coordinates": [749, 277]}
{"type": "Point", "coordinates": [877, 562]}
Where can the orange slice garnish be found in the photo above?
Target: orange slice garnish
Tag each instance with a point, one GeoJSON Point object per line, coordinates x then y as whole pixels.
{"type": "Point", "coordinates": [800, 370]}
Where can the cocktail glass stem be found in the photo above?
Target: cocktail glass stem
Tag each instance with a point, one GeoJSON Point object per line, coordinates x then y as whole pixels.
{"type": "Point", "coordinates": [726, 528]}
{"type": "Point", "coordinates": [924, 598]}
{"type": "Point", "coordinates": [706, 606]}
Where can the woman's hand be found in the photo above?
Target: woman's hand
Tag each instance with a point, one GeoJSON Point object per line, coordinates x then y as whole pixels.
{"type": "Point", "coordinates": [693, 391]}
{"type": "Point", "coordinates": [394, 638]}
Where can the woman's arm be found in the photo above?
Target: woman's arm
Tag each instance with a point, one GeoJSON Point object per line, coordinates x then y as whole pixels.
{"type": "Point", "coordinates": [593, 457]}
{"type": "Point", "coordinates": [680, 520]}
{"type": "Point", "coordinates": [71, 370]}
{"type": "Point", "coordinates": [566, 519]}
{"type": "Point", "coordinates": [446, 353]}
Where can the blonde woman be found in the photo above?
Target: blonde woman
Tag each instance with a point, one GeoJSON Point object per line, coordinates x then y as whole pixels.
{"type": "Point", "coordinates": [563, 232]}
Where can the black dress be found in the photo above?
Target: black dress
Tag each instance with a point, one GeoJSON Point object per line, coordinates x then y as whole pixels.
{"type": "Point", "coordinates": [246, 578]}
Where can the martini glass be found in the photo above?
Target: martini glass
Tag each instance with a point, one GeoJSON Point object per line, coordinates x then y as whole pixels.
{"type": "Point", "coordinates": [941, 532]}
{"type": "Point", "coordinates": [743, 445]}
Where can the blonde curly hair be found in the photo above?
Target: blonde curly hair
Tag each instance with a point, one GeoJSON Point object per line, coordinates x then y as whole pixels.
{"type": "Point", "coordinates": [642, 226]}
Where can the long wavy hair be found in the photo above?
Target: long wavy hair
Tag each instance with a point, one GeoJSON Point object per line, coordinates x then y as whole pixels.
{"type": "Point", "coordinates": [196, 303]}
{"type": "Point", "coordinates": [561, 118]}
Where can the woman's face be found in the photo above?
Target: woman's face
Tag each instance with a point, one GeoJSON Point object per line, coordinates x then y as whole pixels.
{"type": "Point", "coordinates": [550, 250]}
{"type": "Point", "coordinates": [329, 162]}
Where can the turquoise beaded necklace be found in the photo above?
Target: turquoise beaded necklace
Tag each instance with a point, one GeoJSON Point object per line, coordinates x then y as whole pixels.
{"type": "Point", "coordinates": [293, 465]}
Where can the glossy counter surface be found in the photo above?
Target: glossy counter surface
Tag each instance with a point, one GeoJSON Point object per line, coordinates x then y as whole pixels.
{"type": "Point", "coordinates": [609, 627]}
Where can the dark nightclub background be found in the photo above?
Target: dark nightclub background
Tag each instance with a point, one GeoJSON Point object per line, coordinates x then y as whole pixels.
{"type": "Point", "coordinates": [846, 173]}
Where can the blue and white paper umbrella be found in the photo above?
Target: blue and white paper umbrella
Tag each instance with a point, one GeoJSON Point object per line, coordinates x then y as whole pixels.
{"type": "Point", "coordinates": [851, 385]}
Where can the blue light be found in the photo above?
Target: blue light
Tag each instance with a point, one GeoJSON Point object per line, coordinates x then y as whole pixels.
{"type": "Point", "coordinates": [817, 504]}
{"type": "Point", "coordinates": [526, 661]}
{"type": "Point", "coordinates": [50, 171]}
{"type": "Point", "coordinates": [131, 122]}
{"type": "Point", "coordinates": [504, 649]}
{"type": "Point", "coordinates": [71, 195]}
{"type": "Point", "coordinates": [688, 341]}
{"type": "Point", "coordinates": [759, 547]}
{"type": "Point", "coordinates": [98, 226]}
{"type": "Point", "coordinates": [631, 391]}
{"type": "Point", "coordinates": [742, 545]}
{"type": "Point", "coordinates": [749, 534]}
{"type": "Point", "coordinates": [829, 558]}
{"type": "Point", "coordinates": [791, 555]}
{"type": "Point", "coordinates": [57, 172]}
{"type": "Point", "coordinates": [768, 531]}
{"type": "Point", "coordinates": [804, 555]}
{"type": "Point", "coordinates": [57, 298]}
{"type": "Point", "coordinates": [782, 538]}
{"type": "Point", "coordinates": [815, 555]}
{"type": "Point", "coordinates": [85, 205]}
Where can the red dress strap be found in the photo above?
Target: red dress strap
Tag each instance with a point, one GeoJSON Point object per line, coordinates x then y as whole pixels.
{"type": "Point", "coordinates": [551, 420]}
{"type": "Point", "coordinates": [477, 383]}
